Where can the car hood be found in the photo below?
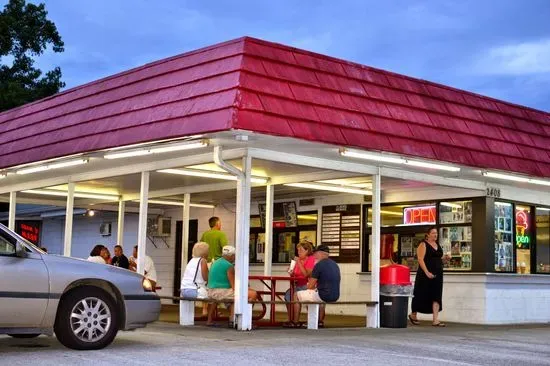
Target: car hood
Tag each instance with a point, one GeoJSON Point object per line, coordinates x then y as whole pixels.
{"type": "Point", "coordinates": [65, 270]}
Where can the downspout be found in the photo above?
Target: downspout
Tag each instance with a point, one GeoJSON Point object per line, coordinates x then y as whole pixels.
{"type": "Point", "coordinates": [218, 160]}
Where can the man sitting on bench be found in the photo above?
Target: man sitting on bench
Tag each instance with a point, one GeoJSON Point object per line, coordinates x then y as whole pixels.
{"type": "Point", "coordinates": [323, 285]}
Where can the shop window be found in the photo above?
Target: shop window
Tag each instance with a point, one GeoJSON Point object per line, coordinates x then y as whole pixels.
{"type": "Point", "coordinates": [456, 212]}
{"type": "Point", "coordinates": [285, 237]}
{"type": "Point", "coordinates": [504, 260]}
{"type": "Point", "coordinates": [543, 240]}
{"type": "Point", "coordinates": [523, 239]}
{"type": "Point", "coordinates": [406, 215]}
{"type": "Point", "coordinates": [456, 242]}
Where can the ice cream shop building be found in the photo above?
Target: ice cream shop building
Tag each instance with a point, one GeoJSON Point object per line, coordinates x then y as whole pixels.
{"type": "Point", "coordinates": [284, 144]}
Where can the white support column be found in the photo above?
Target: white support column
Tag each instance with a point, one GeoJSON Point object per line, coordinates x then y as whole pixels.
{"type": "Point", "coordinates": [11, 215]}
{"type": "Point", "coordinates": [120, 228]}
{"type": "Point", "coordinates": [243, 310]}
{"type": "Point", "coordinates": [142, 222]}
{"type": "Point", "coordinates": [268, 246]}
{"type": "Point", "coordinates": [67, 244]}
{"type": "Point", "coordinates": [187, 308]}
{"type": "Point", "coordinates": [373, 312]}
{"type": "Point", "coordinates": [185, 233]}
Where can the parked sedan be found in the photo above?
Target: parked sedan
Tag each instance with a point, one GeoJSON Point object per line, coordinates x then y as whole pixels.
{"type": "Point", "coordinates": [84, 303]}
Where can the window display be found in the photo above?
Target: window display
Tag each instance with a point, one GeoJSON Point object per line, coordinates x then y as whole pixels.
{"type": "Point", "coordinates": [456, 242]}
{"type": "Point", "coordinates": [456, 212]}
{"type": "Point", "coordinates": [543, 240]}
{"type": "Point", "coordinates": [523, 239]}
{"type": "Point", "coordinates": [504, 248]}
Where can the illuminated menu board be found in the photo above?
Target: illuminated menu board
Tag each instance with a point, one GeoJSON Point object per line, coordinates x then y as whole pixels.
{"type": "Point", "coordinates": [30, 230]}
{"type": "Point", "coordinates": [341, 232]}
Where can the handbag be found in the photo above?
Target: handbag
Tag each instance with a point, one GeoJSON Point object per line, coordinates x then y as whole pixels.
{"type": "Point", "coordinates": [201, 291]}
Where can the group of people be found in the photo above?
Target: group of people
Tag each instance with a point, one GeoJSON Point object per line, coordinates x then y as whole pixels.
{"type": "Point", "coordinates": [210, 274]}
{"type": "Point", "coordinates": [101, 254]}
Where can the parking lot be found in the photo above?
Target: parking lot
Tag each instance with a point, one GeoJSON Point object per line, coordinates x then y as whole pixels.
{"type": "Point", "coordinates": [165, 343]}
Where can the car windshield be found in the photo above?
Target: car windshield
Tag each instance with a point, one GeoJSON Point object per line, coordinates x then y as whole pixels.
{"type": "Point", "coordinates": [23, 240]}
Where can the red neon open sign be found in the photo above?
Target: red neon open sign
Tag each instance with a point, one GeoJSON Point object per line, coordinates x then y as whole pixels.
{"type": "Point", "coordinates": [419, 215]}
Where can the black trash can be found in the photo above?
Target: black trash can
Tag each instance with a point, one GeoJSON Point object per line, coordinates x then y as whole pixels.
{"type": "Point", "coordinates": [393, 311]}
{"type": "Point", "coordinates": [395, 290]}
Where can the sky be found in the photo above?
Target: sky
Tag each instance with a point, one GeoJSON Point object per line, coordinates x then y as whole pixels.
{"type": "Point", "coordinates": [499, 48]}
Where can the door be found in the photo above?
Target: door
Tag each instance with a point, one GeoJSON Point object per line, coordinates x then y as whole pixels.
{"type": "Point", "coordinates": [24, 286]}
{"type": "Point", "coordinates": [193, 238]}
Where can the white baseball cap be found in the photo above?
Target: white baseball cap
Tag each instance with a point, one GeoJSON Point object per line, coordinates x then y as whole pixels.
{"type": "Point", "coordinates": [228, 250]}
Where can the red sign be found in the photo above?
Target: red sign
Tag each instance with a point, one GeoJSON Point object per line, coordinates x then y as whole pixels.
{"type": "Point", "coordinates": [419, 215]}
{"type": "Point", "coordinates": [30, 232]}
{"type": "Point", "coordinates": [279, 224]}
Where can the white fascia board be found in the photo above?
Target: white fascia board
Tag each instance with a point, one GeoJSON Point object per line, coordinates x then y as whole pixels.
{"type": "Point", "coordinates": [182, 190]}
{"type": "Point", "coordinates": [309, 161]}
{"type": "Point", "coordinates": [312, 177]}
{"type": "Point", "coordinates": [123, 169]}
{"type": "Point", "coordinates": [363, 169]}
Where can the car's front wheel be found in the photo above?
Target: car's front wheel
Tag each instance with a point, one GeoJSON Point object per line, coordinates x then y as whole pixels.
{"type": "Point", "coordinates": [86, 319]}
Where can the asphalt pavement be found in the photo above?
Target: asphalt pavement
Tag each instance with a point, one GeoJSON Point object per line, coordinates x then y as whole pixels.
{"type": "Point", "coordinates": [166, 343]}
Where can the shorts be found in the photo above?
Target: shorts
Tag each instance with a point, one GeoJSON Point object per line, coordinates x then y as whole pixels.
{"type": "Point", "coordinates": [221, 294]}
{"type": "Point", "coordinates": [190, 293]}
{"type": "Point", "coordinates": [308, 296]}
{"type": "Point", "coordinates": [296, 289]}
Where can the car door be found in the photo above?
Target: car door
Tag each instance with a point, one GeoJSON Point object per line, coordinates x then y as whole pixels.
{"type": "Point", "coordinates": [24, 285]}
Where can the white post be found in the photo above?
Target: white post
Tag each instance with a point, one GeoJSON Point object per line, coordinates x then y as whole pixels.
{"type": "Point", "coordinates": [120, 227]}
{"type": "Point", "coordinates": [67, 244]}
{"type": "Point", "coordinates": [243, 310]}
{"type": "Point", "coordinates": [185, 233]}
{"type": "Point", "coordinates": [11, 215]}
{"type": "Point", "coordinates": [373, 312]}
{"type": "Point", "coordinates": [268, 246]}
{"type": "Point", "coordinates": [142, 222]}
{"type": "Point", "coordinates": [187, 308]}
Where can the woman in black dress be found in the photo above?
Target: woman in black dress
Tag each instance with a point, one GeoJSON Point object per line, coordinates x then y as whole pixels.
{"type": "Point", "coordinates": [428, 286]}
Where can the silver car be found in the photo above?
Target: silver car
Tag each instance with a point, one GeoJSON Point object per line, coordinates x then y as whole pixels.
{"type": "Point", "coordinates": [84, 303]}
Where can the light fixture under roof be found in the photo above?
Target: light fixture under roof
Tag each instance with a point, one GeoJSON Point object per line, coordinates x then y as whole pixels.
{"type": "Point", "coordinates": [176, 203]}
{"type": "Point", "coordinates": [516, 178]}
{"type": "Point", "coordinates": [170, 147]}
{"type": "Point", "coordinates": [330, 187]}
{"type": "Point", "coordinates": [386, 158]}
{"type": "Point", "coordinates": [210, 174]}
{"type": "Point", "coordinates": [58, 193]}
{"type": "Point", "coordinates": [450, 204]}
{"type": "Point", "coordinates": [53, 165]}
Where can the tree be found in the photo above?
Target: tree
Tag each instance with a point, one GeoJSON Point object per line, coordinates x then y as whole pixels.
{"type": "Point", "coordinates": [25, 32]}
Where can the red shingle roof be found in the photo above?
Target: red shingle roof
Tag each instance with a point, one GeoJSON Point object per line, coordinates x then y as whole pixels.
{"type": "Point", "coordinates": [274, 89]}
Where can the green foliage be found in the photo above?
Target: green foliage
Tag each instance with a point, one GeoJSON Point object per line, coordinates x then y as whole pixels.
{"type": "Point", "coordinates": [25, 32]}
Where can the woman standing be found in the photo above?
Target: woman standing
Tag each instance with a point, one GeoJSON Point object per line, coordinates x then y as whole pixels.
{"type": "Point", "coordinates": [428, 286]}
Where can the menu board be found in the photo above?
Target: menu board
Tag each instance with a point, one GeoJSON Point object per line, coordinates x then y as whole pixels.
{"type": "Point", "coordinates": [341, 232]}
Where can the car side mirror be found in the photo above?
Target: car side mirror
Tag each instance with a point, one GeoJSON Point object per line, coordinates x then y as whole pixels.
{"type": "Point", "coordinates": [20, 250]}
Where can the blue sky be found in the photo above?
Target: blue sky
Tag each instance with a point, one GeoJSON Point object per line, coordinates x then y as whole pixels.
{"type": "Point", "coordinates": [499, 48]}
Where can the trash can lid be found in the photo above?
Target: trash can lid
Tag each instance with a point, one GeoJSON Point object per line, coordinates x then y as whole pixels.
{"type": "Point", "coordinates": [395, 274]}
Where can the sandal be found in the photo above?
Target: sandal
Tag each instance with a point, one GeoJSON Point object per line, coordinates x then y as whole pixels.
{"type": "Point", "coordinates": [321, 325]}
{"type": "Point", "coordinates": [439, 325]}
{"type": "Point", "coordinates": [413, 320]}
{"type": "Point", "coordinates": [292, 325]}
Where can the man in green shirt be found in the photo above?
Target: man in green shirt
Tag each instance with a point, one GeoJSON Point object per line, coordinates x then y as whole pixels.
{"type": "Point", "coordinates": [215, 238]}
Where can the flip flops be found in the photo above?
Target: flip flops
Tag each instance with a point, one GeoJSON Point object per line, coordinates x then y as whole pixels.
{"type": "Point", "coordinates": [439, 325]}
{"type": "Point", "coordinates": [413, 320]}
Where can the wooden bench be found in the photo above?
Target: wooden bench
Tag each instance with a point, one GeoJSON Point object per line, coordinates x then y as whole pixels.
{"type": "Point", "coordinates": [187, 309]}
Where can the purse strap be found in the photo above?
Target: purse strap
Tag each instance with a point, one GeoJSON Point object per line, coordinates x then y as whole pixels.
{"type": "Point", "coordinates": [196, 272]}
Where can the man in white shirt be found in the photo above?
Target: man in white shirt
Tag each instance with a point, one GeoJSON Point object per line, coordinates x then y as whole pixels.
{"type": "Point", "coordinates": [150, 271]}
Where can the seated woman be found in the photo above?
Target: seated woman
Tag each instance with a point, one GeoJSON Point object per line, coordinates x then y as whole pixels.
{"type": "Point", "coordinates": [305, 261]}
{"type": "Point", "coordinates": [193, 281]}
{"type": "Point", "coordinates": [96, 254]}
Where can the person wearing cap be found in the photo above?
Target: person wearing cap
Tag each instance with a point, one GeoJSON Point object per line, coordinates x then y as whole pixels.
{"type": "Point", "coordinates": [323, 285]}
{"type": "Point", "coordinates": [221, 283]}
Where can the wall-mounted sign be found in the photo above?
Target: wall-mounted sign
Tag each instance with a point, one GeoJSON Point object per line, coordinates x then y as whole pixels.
{"type": "Point", "coordinates": [419, 215]}
{"type": "Point", "coordinates": [522, 229]}
{"type": "Point", "coordinates": [30, 230]}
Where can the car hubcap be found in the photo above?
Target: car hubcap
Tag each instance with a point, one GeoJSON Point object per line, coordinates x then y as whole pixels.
{"type": "Point", "coordinates": [90, 319]}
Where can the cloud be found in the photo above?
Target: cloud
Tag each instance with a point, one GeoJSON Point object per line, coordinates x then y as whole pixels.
{"type": "Point", "coordinates": [525, 58]}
